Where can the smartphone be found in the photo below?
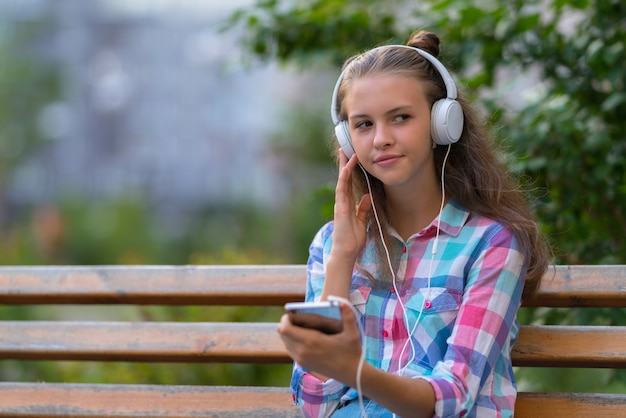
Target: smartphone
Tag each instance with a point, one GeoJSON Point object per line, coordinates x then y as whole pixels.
{"type": "Point", "coordinates": [323, 316]}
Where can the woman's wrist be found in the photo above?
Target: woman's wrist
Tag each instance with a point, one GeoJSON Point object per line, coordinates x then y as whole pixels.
{"type": "Point", "coordinates": [347, 259]}
{"type": "Point", "coordinates": [344, 252]}
{"type": "Point", "coordinates": [338, 276]}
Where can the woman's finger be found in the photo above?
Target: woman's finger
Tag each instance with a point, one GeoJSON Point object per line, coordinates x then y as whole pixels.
{"type": "Point", "coordinates": [345, 171]}
{"type": "Point", "coordinates": [343, 191]}
{"type": "Point", "coordinates": [343, 159]}
{"type": "Point", "coordinates": [364, 207]}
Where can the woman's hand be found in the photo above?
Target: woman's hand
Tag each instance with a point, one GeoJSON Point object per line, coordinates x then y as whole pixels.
{"type": "Point", "coordinates": [350, 219]}
{"type": "Point", "coordinates": [335, 356]}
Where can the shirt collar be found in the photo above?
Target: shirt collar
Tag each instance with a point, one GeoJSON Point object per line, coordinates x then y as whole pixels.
{"type": "Point", "coordinates": [453, 217]}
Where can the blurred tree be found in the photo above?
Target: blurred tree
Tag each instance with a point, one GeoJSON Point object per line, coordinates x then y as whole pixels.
{"type": "Point", "coordinates": [314, 31]}
{"type": "Point", "coordinates": [27, 85]}
{"type": "Point", "coordinates": [566, 130]}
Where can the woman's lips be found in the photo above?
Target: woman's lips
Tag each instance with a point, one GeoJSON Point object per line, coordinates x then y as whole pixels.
{"type": "Point", "coordinates": [386, 160]}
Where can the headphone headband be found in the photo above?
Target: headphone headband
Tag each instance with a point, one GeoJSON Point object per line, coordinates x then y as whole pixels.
{"type": "Point", "coordinates": [445, 75]}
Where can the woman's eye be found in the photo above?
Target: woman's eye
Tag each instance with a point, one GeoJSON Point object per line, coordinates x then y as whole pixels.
{"type": "Point", "coordinates": [364, 124]}
{"type": "Point", "coordinates": [401, 118]}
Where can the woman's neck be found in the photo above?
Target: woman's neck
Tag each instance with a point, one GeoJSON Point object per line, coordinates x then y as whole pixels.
{"type": "Point", "coordinates": [411, 212]}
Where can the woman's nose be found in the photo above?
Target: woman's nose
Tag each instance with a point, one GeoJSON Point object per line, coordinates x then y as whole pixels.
{"type": "Point", "coordinates": [382, 136]}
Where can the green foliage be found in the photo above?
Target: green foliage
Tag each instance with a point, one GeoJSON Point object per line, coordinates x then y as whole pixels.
{"type": "Point", "coordinates": [305, 148]}
{"type": "Point", "coordinates": [309, 212]}
{"type": "Point", "coordinates": [577, 128]}
{"type": "Point", "coordinates": [127, 231]}
{"type": "Point", "coordinates": [306, 135]}
{"type": "Point", "coordinates": [566, 131]}
{"type": "Point", "coordinates": [26, 86]}
{"type": "Point", "coordinates": [304, 31]}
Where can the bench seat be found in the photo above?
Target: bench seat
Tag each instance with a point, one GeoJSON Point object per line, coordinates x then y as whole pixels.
{"type": "Point", "coordinates": [101, 400]}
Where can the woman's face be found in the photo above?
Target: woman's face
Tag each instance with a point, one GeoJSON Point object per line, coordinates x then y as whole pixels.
{"type": "Point", "coordinates": [389, 120]}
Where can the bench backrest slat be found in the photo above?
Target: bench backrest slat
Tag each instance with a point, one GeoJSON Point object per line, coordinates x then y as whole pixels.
{"type": "Point", "coordinates": [583, 286]}
{"type": "Point", "coordinates": [563, 286]}
{"type": "Point", "coordinates": [144, 285]}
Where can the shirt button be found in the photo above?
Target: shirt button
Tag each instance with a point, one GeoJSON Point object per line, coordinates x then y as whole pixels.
{"type": "Point", "coordinates": [403, 249]}
{"type": "Point", "coordinates": [428, 304]}
{"type": "Point", "coordinates": [385, 334]}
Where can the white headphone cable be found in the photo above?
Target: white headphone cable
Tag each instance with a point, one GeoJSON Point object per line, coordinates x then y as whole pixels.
{"type": "Point", "coordinates": [393, 276]}
{"type": "Point", "coordinates": [359, 369]}
{"type": "Point", "coordinates": [430, 269]}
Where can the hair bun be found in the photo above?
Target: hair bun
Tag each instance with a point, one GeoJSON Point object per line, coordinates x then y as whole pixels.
{"type": "Point", "coordinates": [426, 41]}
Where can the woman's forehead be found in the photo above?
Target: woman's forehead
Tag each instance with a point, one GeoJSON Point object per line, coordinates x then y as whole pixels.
{"type": "Point", "coordinates": [382, 90]}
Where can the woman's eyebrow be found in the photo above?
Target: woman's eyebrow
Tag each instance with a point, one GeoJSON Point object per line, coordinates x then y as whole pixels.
{"type": "Point", "coordinates": [389, 112]}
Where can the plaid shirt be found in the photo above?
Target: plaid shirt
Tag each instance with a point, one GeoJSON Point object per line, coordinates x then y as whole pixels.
{"type": "Point", "coordinates": [467, 316]}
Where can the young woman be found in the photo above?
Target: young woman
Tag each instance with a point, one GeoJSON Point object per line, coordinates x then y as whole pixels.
{"type": "Point", "coordinates": [432, 249]}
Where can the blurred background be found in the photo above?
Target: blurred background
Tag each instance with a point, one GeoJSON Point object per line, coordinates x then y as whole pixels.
{"type": "Point", "coordinates": [141, 132]}
{"type": "Point", "coordinates": [196, 132]}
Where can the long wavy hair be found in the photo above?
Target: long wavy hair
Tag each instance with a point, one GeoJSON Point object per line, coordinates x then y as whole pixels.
{"type": "Point", "coordinates": [475, 174]}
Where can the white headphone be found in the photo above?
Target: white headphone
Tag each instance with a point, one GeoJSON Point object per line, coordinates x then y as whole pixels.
{"type": "Point", "coordinates": [446, 114]}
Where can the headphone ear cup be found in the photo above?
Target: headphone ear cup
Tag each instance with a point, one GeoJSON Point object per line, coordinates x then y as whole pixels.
{"type": "Point", "coordinates": [446, 121]}
{"type": "Point", "coordinates": [342, 133]}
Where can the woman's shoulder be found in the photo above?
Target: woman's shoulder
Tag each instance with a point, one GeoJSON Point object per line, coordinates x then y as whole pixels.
{"type": "Point", "coordinates": [324, 234]}
{"type": "Point", "coordinates": [327, 229]}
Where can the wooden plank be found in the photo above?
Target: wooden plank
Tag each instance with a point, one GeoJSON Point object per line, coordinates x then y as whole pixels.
{"type": "Point", "coordinates": [143, 341]}
{"type": "Point", "coordinates": [583, 286]}
{"type": "Point", "coordinates": [563, 286]}
{"type": "Point", "coordinates": [144, 285]}
{"type": "Point", "coordinates": [28, 400]}
{"type": "Point", "coordinates": [565, 405]}
{"type": "Point", "coordinates": [571, 346]}
{"type": "Point", "coordinates": [554, 346]}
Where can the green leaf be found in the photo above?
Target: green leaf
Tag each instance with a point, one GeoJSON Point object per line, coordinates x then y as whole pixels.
{"type": "Point", "coordinates": [613, 101]}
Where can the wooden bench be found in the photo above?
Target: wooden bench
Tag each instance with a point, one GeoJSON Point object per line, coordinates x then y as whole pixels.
{"type": "Point", "coordinates": [578, 346]}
